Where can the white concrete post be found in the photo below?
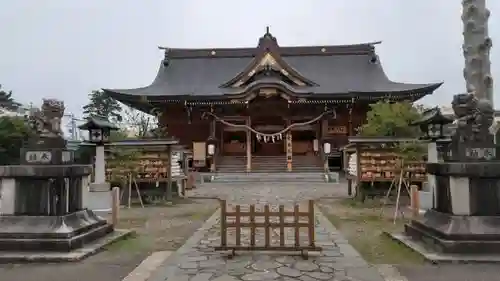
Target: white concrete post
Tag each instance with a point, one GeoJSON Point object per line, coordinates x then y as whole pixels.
{"type": "Point", "coordinates": [432, 157]}
{"type": "Point", "coordinates": [99, 192]}
{"type": "Point", "coordinates": [100, 165]}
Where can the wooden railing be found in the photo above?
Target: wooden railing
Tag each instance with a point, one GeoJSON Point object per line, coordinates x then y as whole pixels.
{"type": "Point", "coordinates": [266, 219]}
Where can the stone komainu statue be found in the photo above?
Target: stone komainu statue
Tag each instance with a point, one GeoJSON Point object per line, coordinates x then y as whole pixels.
{"type": "Point", "coordinates": [46, 121]}
{"type": "Point", "coordinates": [474, 118]}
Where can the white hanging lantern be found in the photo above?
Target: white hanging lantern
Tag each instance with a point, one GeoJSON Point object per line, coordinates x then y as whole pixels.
{"type": "Point", "coordinates": [211, 149]}
{"type": "Point", "coordinates": [315, 145]}
{"type": "Point", "coordinates": [327, 148]}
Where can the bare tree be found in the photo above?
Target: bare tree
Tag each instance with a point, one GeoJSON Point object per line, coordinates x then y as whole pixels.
{"type": "Point", "coordinates": [476, 48]}
{"type": "Point", "coordinates": [142, 124]}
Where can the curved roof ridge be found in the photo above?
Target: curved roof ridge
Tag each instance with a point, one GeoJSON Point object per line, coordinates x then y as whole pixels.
{"type": "Point", "coordinates": [369, 43]}
{"type": "Point", "coordinates": [306, 50]}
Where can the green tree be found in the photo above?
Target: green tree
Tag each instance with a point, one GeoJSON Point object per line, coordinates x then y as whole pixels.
{"type": "Point", "coordinates": [391, 119]}
{"type": "Point", "coordinates": [103, 105]}
{"type": "Point", "coordinates": [7, 101]}
{"type": "Point", "coordinates": [14, 132]}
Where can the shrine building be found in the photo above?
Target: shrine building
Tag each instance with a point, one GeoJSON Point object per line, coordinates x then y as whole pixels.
{"type": "Point", "coordinates": [268, 107]}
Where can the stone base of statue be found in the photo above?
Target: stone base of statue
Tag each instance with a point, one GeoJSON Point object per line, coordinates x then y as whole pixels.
{"type": "Point", "coordinates": [51, 233]}
{"type": "Point", "coordinates": [42, 215]}
{"type": "Point", "coordinates": [464, 224]}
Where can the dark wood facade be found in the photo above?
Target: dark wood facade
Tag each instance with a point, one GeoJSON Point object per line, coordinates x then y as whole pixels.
{"type": "Point", "coordinates": [207, 94]}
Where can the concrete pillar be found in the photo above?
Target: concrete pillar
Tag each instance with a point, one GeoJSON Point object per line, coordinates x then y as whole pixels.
{"type": "Point", "coordinates": [98, 197]}
{"type": "Point", "coordinates": [432, 157]}
{"type": "Point", "coordinates": [100, 165]}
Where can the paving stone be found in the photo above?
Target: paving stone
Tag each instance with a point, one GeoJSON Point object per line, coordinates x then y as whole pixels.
{"type": "Point", "coordinates": [202, 277]}
{"type": "Point", "coordinates": [190, 271]}
{"type": "Point", "coordinates": [238, 271]}
{"type": "Point", "coordinates": [211, 263]}
{"type": "Point", "coordinates": [326, 269]}
{"type": "Point", "coordinates": [307, 278]}
{"type": "Point", "coordinates": [327, 259]}
{"type": "Point", "coordinates": [237, 264]}
{"type": "Point", "coordinates": [334, 253]}
{"type": "Point", "coordinates": [289, 272]}
{"type": "Point", "coordinates": [196, 258]}
{"type": "Point", "coordinates": [327, 264]}
{"type": "Point", "coordinates": [225, 278]}
{"type": "Point", "coordinates": [320, 275]}
{"type": "Point", "coordinates": [260, 276]}
{"type": "Point", "coordinates": [188, 265]}
{"type": "Point", "coordinates": [305, 266]}
{"type": "Point", "coordinates": [286, 260]}
{"type": "Point", "coordinates": [264, 265]}
{"type": "Point", "coordinates": [179, 278]}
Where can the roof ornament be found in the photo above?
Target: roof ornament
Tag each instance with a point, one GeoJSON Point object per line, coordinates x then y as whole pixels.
{"type": "Point", "coordinates": [374, 59]}
{"type": "Point", "coordinates": [166, 59]}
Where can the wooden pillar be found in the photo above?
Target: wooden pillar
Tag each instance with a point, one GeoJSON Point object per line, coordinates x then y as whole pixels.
{"type": "Point", "coordinates": [349, 125]}
{"type": "Point", "coordinates": [169, 174]}
{"type": "Point", "coordinates": [115, 205]}
{"type": "Point", "coordinates": [213, 123]}
{"type": "Point", "coordinates": [324, 133]}
{"type": "Point", "coordinates": [249, 145]}
{"type": "Point", "coordinates": [289, 148]}
{"type": "Point", "coordinates": [415, 204]}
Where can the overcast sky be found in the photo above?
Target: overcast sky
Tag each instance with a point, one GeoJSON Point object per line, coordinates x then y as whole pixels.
{"type": "Point", "coordinates": [65, 49]}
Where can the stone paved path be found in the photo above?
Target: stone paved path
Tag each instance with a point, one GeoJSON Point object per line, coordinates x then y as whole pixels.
{"type": "Point", "coordinates": [197, 260]}
{"type": "Point", "coordinates": [262, 192]}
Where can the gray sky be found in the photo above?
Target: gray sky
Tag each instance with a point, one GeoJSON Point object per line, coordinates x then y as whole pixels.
{"type": "Point", "coordinates": [65, 49]}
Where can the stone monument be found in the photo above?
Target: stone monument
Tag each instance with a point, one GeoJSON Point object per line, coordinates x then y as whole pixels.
{"type": "Point", "coordinates": [41, 213]}
{"type": "Point", "coordinates": [466, 217]}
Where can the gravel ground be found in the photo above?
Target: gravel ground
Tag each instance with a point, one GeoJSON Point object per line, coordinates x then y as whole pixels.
{"type": "Point", "coordinates": [157, 228]}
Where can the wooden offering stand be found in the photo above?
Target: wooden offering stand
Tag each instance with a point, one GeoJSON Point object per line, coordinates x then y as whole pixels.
{"type": "Point", "coordinates": [380, 166]}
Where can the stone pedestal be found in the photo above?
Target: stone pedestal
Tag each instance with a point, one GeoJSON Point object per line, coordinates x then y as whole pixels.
{"type": "Point", "coordinates": [466, 217]}
{"type": "Point", "coordinates": [41, 209]}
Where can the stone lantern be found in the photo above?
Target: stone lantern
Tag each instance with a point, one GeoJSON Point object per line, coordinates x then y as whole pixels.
{"type": "Point", "coordinates": [432, 124]}
{"type": "Point", "coordinates": [99, 131]}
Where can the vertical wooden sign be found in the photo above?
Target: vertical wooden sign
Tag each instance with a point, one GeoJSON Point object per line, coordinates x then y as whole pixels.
{"type": "Point", "coordinates": [289, 151]}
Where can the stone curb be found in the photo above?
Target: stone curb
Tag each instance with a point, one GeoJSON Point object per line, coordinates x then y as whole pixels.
{"type": "Point", "coordinates": [147, 266]}
{"type": "Point", "coordinates": [163, 271]}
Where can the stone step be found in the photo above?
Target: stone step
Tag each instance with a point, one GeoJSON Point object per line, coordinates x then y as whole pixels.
{"type": "Point", "coordinates": [269, 177]}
